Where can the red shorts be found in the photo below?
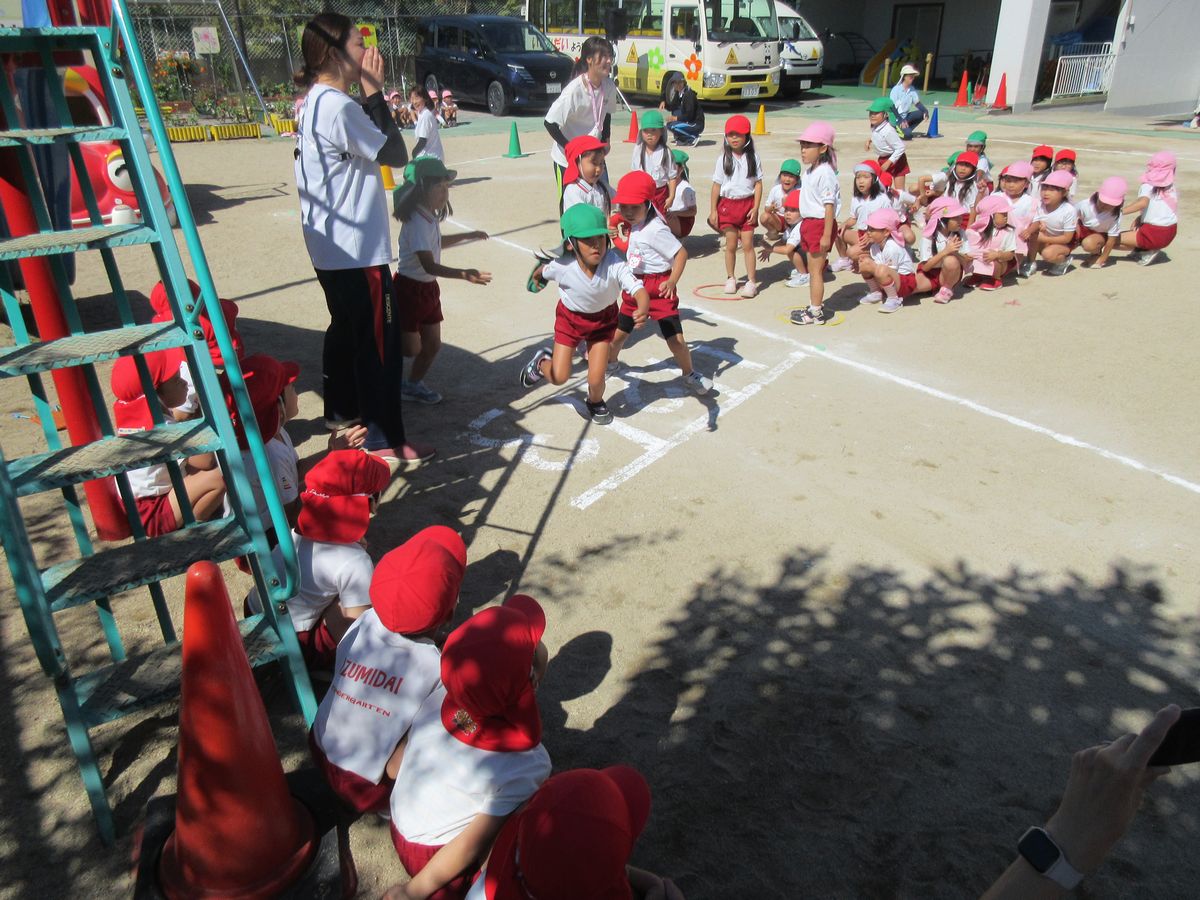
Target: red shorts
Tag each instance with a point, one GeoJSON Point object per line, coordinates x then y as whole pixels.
{"type": "Point", "coordinates": [419, 303]}
{"type": "Point", "coordinates": [899, 167]}
{"type": "Point", "coordinates": [660, 199]}
{"type": "Point", "coordinates": [660, 307]}
{"type": "Point", "coordinates": [811, 232]}
{"type": "Point", "coordinates": [353, 790]}
{"type": "Point", "coordinates": [732, 213]}
{"type": "Point", "coordinates": [156, 514]}
{"type": "Point", "coordinates": [935, 279]}
{"type": "Point", "coordinates": [862, 234]}
{"type": "Point", "coordinates": [1082, 231]}
{"type": "Point", "coordinates": [906, 284]}
{"type": "Point", "coordinates": [318, 647]}
{"type": "Point", "coordinates": [685, 224]}
{"type": "Point", "coordinates": [1154, 237]}
{"type": "Point", "coordinates": [414, 857]}
{"type": "Point", "coordinates": [571, 327]}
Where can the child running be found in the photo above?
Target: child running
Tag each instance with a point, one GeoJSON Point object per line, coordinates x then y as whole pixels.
{"type": "Point", "coordinates": [820, 204]}
{"type": "Point", "coordinates": [681, 215]}
{"type": "Point", "coordinates": [991, 243]}
{"type": "Point", "coordinates": [868, 196]}
{"type": "Point", "coordinates": [652, 156]}
{"type": "Point", "coordinates": [789, 246]}
{"type": "Point", "coordinates": [772, 217]}
{"type": "Point", "coordinates": [421, 205]}
{"type": "Point", "coordinates": [590, 281]}
{"type": "Point", "coordinates": [1099, 228]}
{"type": "Point", "coordinates": [1158, 203]}
{"type": "Point", "coordinates": [944, 247]}
{"type": "Point", "coordinates": [1052, 232]}
{"type": "Point", "coordinates": [736, 195]}
{"type": "Point", "coordinates": [657, 258]}
{"type": "Point", "coordinates": [887, 266]}
{"type": "Point", "coordinates": [583, 178]}
{"type": "Point", "coordinates": [886, 142]}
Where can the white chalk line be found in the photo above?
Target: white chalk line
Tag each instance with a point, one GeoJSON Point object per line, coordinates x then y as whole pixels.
{"type": "Point", "coordinates": [1142, 153]}
{"type": "Point", "coordinates": [524, 153]}
{"type": "Point", "coordinates": [1016, 421]}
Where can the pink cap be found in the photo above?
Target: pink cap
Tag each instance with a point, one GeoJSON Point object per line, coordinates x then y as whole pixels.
{"type": "Point", "coordinates": [944, 207]}
{"type": "Point", "coordinates": [819, 133]}
{"type": "Point", "coordinates": [1019, 169]}
{"type": "Point", "coordinates": [889, 220]}
{"type": "Point", "coordinates": [1160, 170]}
{"type": "Point", "coordinates": [1059, 179]}
{"type": "Point", "coordinates": [1112, 191]}
{"type": "Point", "coordinates": [988, 207]}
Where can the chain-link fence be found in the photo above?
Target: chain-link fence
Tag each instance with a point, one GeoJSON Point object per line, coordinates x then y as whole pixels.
{"type": "Point", "coordinates": [191, 48]}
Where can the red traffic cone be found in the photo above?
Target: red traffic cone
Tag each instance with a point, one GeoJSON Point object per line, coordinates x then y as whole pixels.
{"type": "Point", "coordinates": [980, 92]}
{"type": "Point", "coordinates": [961, 99]}
{"type": "Point", "coordinates": [1001, 101]}
{"type": "Point", "coordinates": [238, 832]}
{"type": "Point", "coordinates": [633, 130]}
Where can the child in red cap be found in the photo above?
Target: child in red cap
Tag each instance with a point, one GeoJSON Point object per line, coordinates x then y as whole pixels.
{"type": "Point", "coordinates": [736, 197]}
{"type": "Point", "coordinates": [1041, 159]}
{"type": "Point", "coordinates": [573, 840]}
{"type": "Point", "coordinates": [474, 751]}
{"type": "Point", "coordinates": [789, 244]}
{"type": "Point", "coordinates": [868, 196]}
{"type": "Point", "coordinates": [387, 664]}
{"type": "Point", "coordinates": [157, 504]}
{"type": "Point", "coordinates": [340, 495]}
{"type": "Point", "coordinates": [582, 180]}
{"type": "Point", "coordinates": [1064, 161]}
{"type": "Point", "coordinates": [270, 385]}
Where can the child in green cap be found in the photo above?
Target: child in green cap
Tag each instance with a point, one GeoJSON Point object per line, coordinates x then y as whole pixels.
{"type": "Point", "coordinates": [652, 156]}
{"type": "Point", "coordinates": [885, 142]}
{"type": "Point", "coordinates": [977, 142]}
{"type": "Point", "coordinates": [681, 215]}
{"type": "Point", "coordinates": [772, 217]}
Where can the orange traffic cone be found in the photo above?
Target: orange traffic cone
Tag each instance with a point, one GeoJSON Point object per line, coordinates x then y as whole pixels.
{"type": "Point", "coordinates": [238, 832]}
{"type": "Point", "coordinates": [633, 130]}
{"type": "Point", "coordinates": [961, 99]}
{"type": "Point", "coordinates": [1001, 101]}
{"type": "Point", "coordinates": [980, 92]}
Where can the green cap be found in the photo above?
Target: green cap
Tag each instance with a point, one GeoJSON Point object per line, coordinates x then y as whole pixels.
{"type": "Point", "coordinates": [680, 157]}
{"type": "Point", "coordinates": [651, 118]}
{"type": "Point", "coordinates": [583, 220]}
{"type": "Point", "coordinates": [791, 166]}
{"type": "Point", "coordinates": [977, 137]}
{"type": "Point", "coordinates": [880, 104]}
{"type": "Point", "coordinates": [427, 167]}
{"type": "Point", "coordinates": [952, 158]}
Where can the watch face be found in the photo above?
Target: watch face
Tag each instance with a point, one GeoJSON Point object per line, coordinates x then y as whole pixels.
{"type": "Point", "coordinates": [1038, 850]}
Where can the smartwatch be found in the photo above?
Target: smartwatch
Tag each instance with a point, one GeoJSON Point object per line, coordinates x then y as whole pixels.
{"type": "Point", "coordinates": [1047, 858]}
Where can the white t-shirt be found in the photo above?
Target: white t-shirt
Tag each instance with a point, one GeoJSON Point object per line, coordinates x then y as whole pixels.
{"type": "Point", "coordinates": [861, 207]}
{"type": "Point", "coordinates": [659, 165]}
{"type": "Point", "coordinates": [1022, 209]}
{"type": "Point", "coordinates": [893, 255]}
{"type": "Point", "coordinates": [739, 184]}
{"type": "Point", "coordinates": [191, 403]}
{"type": "Point", "coordinates": [380, 681]}
{"type": "Point", "coordinates": [885, 141]}
{"type": "Point", "coordinates": [443, 783]}
{"type": "Point", "coordinates": [281, 455]}
{"type": "Point", "coordinates": [581, 109]}
{"type": "Point", "coordinates": [791, 237]}
{"type": "Point", "coordinates": [420, 233]}
{"type": "Point", "coordinates": [902, 203]}
{"type": "Point", "coordinates": [818, 188]}
{"type": "Point", "coordinates": [343, 207]}
{"type": "Point", "coordinates": [1108, 223]}
{"type": "Point", "coordinates": [969, 196]}
{"type": "Point", "coordinates": [931, 246]}
{"type": "Point", "coordinates": [595, 294]}
{"type": "Point", "coordinates": [151, 481]}
{"type": "Point", "coordinates": [685, 198]}
{"type": "Point", "coordinates": [427, 127]}
{"type": "Point", "coordinates": [328, 572]}
{"type": "Point", "coordinates": [1162, 208]}
{"type": "Point", "coordinates": [652, 247]}
{"type": "Point", "coordinates": [1003, 240]}
{"type": "Point", "coordinates": [1061, 220]}
{"type": "Point", "coordinates": [592, 194]}
{"type": "Point", "coordinates": [775, 197]}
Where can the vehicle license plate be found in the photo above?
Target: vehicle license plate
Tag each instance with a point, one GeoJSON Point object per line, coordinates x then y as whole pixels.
{"type": "Point", "coordinates": [553, 88]}
{"type": "Point", "coordinates": [750, 90]}
{"type": "Point", "coordinates": [805, 84]}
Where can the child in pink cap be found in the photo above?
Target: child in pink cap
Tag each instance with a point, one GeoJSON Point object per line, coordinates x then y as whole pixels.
{"type": "Point", "coordinates": [820, 206]}
{"type": "Point", "coordinates": [1016, 185]}
{"type": "Point", "coordinates": [1158, 203]}
{"type": "Point", "coordinates": [944, 247]}
{"type": "Point", "coordinates": [887, 267]}
{"type": "Point", "coordinates": [1099, 228]}
{"type": "Point", "coordinates": [449, 108]}
{"type": "Point", "coordinates": [991, 243]}
{"type": "Point", "coordinates": [1052, 232]}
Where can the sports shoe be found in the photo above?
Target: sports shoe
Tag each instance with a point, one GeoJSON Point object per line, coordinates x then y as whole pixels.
{"type": "Point", "coordinates": [697, 383]}
{"type": "Point", "coordinates": [907, 133]}
{"type": "Point", "coordinates": [813, 315]}
{"type": "Point", "coordinates": [749, 289]}
{"type": "Point", "coordinates": [843, 264]}
{"type": "Point", "coordinates": [945, 295]}
{"type": "Point", "coordinates": [873, 297]}
{"type": "Point", "coordinates": [1136, 256]}
{"type": "Point", "coordinates": [1149, 257]}
{"type": "Point", "coordinates": [1027, 269]}
{"type": "Point", "coordinates": [891, 304]}
{"type": "Point", "coordinates": [419, 392]}
{"type": "Point", "coordinates": [731, 285]}
{"type": "Point", "coordinates": [1061, 268]}
{"type": "Point", "coordinates": [532, 373]}
{"type": "Point", "coordinates": [796, 279]}
{"type": "Point", "coordinates": [991, 284]}
{"type": "Point", "coordinates": [599, 412]}
{"type": "Point", "coordinates": [408, 453]}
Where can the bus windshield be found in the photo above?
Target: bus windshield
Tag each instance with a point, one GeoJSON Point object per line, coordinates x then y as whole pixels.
{"type": "Point", "coordinates": [793, 28]}
{"type": "Point", "coordinates": [741, 20]}
{"type": "Point", "coordinates": [516, 37]}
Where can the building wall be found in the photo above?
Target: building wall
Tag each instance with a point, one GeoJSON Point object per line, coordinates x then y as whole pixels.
{"type": "Point", "coordinates": [1157, 71]}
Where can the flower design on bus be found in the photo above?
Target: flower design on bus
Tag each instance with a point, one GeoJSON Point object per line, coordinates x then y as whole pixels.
{"type": "Point", "coordinates": [692, 65]}
{"type": "Point", "coordinates": [654, 58]}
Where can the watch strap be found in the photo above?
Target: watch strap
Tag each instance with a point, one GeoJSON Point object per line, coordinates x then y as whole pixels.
{"type": "Point", "coordinates": [1061, 872]}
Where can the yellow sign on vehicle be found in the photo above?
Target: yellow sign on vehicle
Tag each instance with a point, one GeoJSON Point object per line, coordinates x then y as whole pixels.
{"type": "Point", "coordinates": [632, 56]}
{"type": "Point", "coordinates": [731, 59]}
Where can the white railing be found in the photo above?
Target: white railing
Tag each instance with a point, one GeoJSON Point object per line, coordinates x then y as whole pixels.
{"type": "Point", "coordinates": [1095, 49]}
{"type": "Point", "coordinates": [1086, 74]}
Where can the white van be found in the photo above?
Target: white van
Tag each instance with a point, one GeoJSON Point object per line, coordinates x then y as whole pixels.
{"type": "Point", "coordinates": [803, 57]}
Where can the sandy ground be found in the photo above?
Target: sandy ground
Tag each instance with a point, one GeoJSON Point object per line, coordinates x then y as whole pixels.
{"type": "Point", "coordinates": [850, 615]}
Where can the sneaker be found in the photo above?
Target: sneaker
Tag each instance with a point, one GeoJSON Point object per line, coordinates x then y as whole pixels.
{"type": "Point", "coordinates": [797, 279]}
{"type": "Point", "coordinates": [731, 285]}
{"type": "Point", "coordinates": [991, 284]}
{"type": "Point", "coordinates": [697, 383]}
{"type": "Point", "coordinates": [908, 134]}
{"type": "Point", "coordinates": [599, 412]}
{"type": "Point", "coordinates": [843, 264]}
{"type": "Point", "coordinates": [1027, 269]}
{"type": "Point", "coordinates": [945, 295]}
{"type": "Point", "coordinates": [891, 304]}
{"type": "Point", "coordinates": [408, 453]}
{"type": "Point", "coordinates": [1151, 257]}
{"type": "Point", "coordinates": [1061, 268]}
{"type": "Point", "coordinates": [1136, 256]}
{"type": "Point", "coordinates": [419, 392]}
{"type": "Point", "coordinates": [532, 373]}
{"type": "Point", "coordinates": [873, 297]}
{"type": "Point", "coordinates": [749, 289]}
{"type": "Point", "coordinates": [813, 315]}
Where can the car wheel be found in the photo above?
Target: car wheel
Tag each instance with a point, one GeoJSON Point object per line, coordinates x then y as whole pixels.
{"type": "Point", "coordinates": [431, 84]}
{"type": "Point", "coordinates": [497, 100]}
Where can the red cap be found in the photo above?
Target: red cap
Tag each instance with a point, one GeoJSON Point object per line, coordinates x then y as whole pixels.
{"type": "Point", "coordinates": [874, 166]}
{"type": "Point", "coordinates": [1064, 154]}
{"type": "Point", "coordinates": [415, 586]}
{"type": "Point", "coordinates": [161, 305]}
{"type": "Point", "coordinates": [576, 148]}
{"type": "Point", "coordinates": [970, 157]}
{"type": "Point", "coordinates": [486, 664]}
{"type": "Point", "coordinates": [337, 496]}
{"type": "Point", "coordinates": [1043, 150]}
{"type": "Point", "coordinates": [635, 187]}
{"type": "Point", "coordinates": [266, 377]}
{"type": "Point", "coordinates": [573, 839]}
{"type": "Point", "coordinates": [130, 411]}
{"type": "Point", "coordinates": [737, 125]}
{"type": "Point", "coordinates": [885, 178]}
{"type": "Point", "coordinates": [792, 200]}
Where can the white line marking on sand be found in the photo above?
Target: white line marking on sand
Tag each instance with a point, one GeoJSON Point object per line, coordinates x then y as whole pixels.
{"type": "Point", "coordinates": [1142, 153]}
{"type": "Point", "coordinates": [588, 449]}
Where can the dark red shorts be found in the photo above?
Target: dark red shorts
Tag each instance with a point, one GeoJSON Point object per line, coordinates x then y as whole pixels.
{"type": "Point", "coordinates": [571, 327]}
{"type": "Point", "coordinates": [318, 647]}
{"type": "Point", "coordinates": [660, 307]}
{"type": "Point", "coordinates": [862, 235]}
{"type": "Point", "coordinates": [906, 284]}
{"type": "Point", "coordinates": [935, 278]}
{"type": "Point", "coordinates": [415, 857]}
{"type": "Point", "coordinates": [1154, 237]}
{"type": "Point", "coordinates": [899, 167]}
{"type": "Point", "coordinates": [660, 199]}
{"type": "Point", "coordinates": [419, 303]}
{"type": "Point", "coordinates": [685, 224]}
{"type": "Point", "coordinates": [156, 514]}
{"type": "Point", "coordinates": [732, 213]}
{"type": "Point", "coordinates": [811, 232]}
{"type": "Point", "coordinates": [353, 790]}
{"type": "Point", "coordinates": [1082, 231]}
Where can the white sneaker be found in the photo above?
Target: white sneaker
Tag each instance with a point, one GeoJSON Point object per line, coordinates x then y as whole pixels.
{"type": "Point", "coordinates": [731, 285]}
{"type": "Point", "coordinates": [873, 297]}
{"type": "Point", "coordinates": [749, 289]}
{"type": "Point", "coordinates": [532, 373]}
{"type": "Point", "coordinates": [891, 304]}
{"type": "Point", "coordinates": [1149, 257]}
{"type": "Point", "coordinates": [797, 279]}
{"type": "Point", "coordinates": [697, 383]}
{"type": "Point", "coordinates": [1061, 268]}
{"type": "Point", "coordinates": [843, 264]}
{"type": "Point", "coordinates": [1027, 269]}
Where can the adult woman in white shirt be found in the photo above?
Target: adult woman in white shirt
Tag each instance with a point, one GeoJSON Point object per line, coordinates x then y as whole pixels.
{"type": "Point", "coordinates": [584, 107]}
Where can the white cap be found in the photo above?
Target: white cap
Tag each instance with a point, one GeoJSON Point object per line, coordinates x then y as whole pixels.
{"type": "Point", "coordinates": [909, 70]}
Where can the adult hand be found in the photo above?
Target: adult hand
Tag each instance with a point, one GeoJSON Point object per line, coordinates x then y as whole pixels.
{"type": "Point", "coordinates": [371, 77]}
{"type": "Point", "coordinates": [476, 277]}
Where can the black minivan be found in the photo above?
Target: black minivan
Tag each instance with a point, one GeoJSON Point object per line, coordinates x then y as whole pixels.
{"type": "Point", "coordinates": [500, 61]}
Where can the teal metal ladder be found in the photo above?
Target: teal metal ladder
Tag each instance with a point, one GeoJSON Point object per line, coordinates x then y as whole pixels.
{"type": "Point", "coordinates": [127, 684]}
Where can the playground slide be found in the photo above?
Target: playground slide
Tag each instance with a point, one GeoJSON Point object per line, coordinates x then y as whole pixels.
{"type": "Point", "coordinates": [871, 71]}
